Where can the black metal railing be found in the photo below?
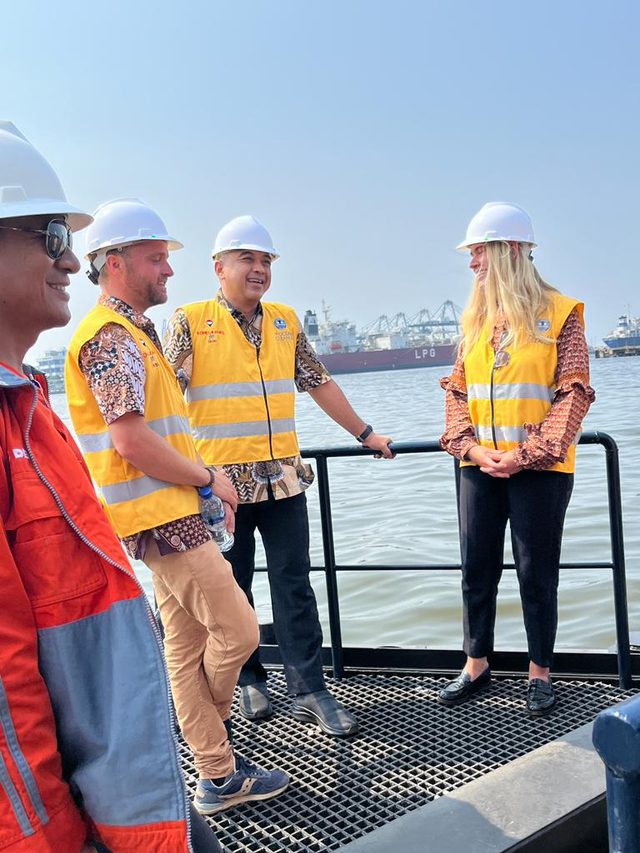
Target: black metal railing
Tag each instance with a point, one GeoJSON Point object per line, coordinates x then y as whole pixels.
{"type": "Point", "coordinates": [331, 568]}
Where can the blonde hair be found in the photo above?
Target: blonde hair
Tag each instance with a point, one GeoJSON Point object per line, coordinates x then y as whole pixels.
{"type": "Point", "coordinates": [513, 287]}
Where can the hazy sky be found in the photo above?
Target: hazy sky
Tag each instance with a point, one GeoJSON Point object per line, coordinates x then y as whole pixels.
{"type": "Point", "coordinates": [364, 135]}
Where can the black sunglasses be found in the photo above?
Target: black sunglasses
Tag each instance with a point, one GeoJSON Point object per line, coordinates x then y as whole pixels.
{"type": "Point", "coordinates": [58, 237]}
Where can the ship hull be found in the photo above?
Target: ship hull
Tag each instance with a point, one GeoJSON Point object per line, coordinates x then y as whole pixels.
{"type": "Point", "coordinates": [621, 343]}
{"type": "Point", "coordinates": [368, 361]}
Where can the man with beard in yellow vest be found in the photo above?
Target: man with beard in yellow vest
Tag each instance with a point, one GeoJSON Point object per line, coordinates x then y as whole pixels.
{"type": "Point", "coordinates": [131, 422]}
{"type": "Point", "coordinates": [240, 360]}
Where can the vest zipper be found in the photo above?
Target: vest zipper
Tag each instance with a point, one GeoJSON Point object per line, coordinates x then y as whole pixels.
{"type": "Point", "coordinates": [493, 426]}
{"type": "Point", "coordinates": [150, 614]}
{"type": "Point", "coordinates": [266, 402]}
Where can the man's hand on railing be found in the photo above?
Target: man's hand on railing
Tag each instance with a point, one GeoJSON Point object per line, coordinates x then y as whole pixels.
{"type": "Point", "coordinates": [381, 443]}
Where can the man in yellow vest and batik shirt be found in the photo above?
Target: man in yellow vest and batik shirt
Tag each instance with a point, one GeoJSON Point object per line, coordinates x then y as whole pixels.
{"type": "Point", "coordinates": [131, 422]}
{"type": "Point", "coordinates": [240, 361]}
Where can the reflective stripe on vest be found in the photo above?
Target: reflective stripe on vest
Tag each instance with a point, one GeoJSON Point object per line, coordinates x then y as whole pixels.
{"type": "Point", "coordinates": [134, 501]}
{"type": "Point", "coordinates": [240, 389]}
{"type": "Point", "coordinates": [240, 399]}
{"type": "Point", "coordinates": [510, 434]}
{"type": "Point", "coordinates": [509, 391]}
{"type": "Point", "coordinates": [94, 442]}
{"type": "Point", "coordinates": [129, 490]}
{"type": "Point", "coordinates": [502, 399]}
{"type": "Point", "coordinates": [243, 428]}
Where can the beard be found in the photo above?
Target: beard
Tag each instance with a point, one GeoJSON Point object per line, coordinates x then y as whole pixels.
{"type": "Point", "coordinates": [156, 294]}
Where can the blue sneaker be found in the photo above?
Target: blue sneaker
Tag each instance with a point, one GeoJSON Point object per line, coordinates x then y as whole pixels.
{"type": "Point", "coordinates": [244, 784]}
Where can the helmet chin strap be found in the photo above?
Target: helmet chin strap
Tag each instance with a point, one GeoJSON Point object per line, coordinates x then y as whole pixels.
{"type": "Point", "coordinates": [97, 263]}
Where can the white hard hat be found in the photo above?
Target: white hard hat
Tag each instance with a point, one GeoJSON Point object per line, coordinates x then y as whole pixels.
{"type": "Point", "coordinates": [28, 184]}
{"type": "Point", "coordinates": [244, 232]}
{"type": "Point", "coordinates": [119, 223]}
{"type": "Point", "coordinates": [499, 220]}
{"type": "Point", "coordinates": [123, 221]}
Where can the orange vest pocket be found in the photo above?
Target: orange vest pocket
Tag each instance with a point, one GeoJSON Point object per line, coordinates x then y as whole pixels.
{"type": "Point", "coordinates": [55, 565]}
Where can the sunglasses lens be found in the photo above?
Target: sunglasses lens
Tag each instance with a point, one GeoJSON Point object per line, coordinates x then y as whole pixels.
{"type": "Point", "coordinates": [58, 239]}
{"type": "Point", "coordinates": [502, 358]}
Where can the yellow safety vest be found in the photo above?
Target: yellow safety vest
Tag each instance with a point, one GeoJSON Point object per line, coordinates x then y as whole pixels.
{"type": "Point", "coordinates": [241, 399]}
{"type": "Point", "coordinates": [502, 399]}
{"type": "Point", "coordinates": [134, 501]}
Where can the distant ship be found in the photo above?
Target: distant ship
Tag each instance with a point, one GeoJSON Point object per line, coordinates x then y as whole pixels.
{"type": "Point", "coordinates": [625, 335]}
{"type": "Point", "coordinates": [52, 365]}
{"type": "Point", "coordinates": [388, 343]}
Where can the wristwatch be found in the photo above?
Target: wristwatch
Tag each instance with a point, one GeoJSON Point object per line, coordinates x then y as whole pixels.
{"type": "Point", "coordinates": [211, 471]}
{"type": "Point", "coordinates": [364, 435]}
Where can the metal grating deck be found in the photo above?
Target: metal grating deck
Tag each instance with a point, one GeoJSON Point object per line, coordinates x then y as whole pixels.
{"type": "Point", "coordinates": [410, 751]}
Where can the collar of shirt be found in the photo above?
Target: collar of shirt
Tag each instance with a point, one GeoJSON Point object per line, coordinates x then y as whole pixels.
{"type": "Point", "coordinates": [139, 320]}
{"type": "Point", "coordinates": [252, 329]}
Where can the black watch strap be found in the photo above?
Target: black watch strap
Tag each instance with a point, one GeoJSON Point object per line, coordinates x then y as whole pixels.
{"type": "Point", "coordinates": [364, 435]}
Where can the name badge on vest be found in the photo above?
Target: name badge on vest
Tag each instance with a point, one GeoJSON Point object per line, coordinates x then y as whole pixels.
{"type": "Point", "coordinates": [543, 324]}
{"type": "Point", "coordinates": [279, 323]}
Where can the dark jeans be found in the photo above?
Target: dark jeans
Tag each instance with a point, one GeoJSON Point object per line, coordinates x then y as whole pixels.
{"type": "Point", "coordinates": [284, 527]}
{"type": "Point", "coordinates": [534, 503]}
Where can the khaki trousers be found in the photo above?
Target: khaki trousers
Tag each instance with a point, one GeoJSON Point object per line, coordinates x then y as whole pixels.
{"type": "Point", "coordinates": [210, 631]}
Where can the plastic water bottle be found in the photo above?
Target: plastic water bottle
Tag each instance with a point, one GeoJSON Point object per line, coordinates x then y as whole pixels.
{"type": "Point", "coordinates": [212, 512]}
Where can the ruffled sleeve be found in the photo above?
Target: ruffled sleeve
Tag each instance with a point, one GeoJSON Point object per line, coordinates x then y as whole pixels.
{"type": "Point", "coordinates": [459, 435]}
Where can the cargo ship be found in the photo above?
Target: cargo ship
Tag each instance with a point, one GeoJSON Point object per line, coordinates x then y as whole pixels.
{"type": "Point", "coordinates": [388, 343]}
{"type": "Point", "coordinates": [623, 340]}
{"type": "Point", "coordinates": [625, 334]}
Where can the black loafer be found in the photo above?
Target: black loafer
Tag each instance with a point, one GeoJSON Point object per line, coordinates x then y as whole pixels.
{"type": "Point", "coordinates": [541, 697]}
{"type": "Point", "coordinates": [463, 688]}
{"type": "Point", "coordinates": [255, 702]}
{"type": "Point", "coordinates": [321, 708]}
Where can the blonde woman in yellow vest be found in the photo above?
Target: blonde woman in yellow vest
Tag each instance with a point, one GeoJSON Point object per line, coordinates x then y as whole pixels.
{"type": "Point", "coordinates": [131, 422]}
{"type": "Point", "coordinates": [515, 400]}
{"type": "Point", "coordinates": [241, 360]}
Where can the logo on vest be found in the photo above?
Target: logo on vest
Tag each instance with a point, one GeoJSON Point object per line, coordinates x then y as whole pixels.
{"type": "Point", "coordinates": [279, 323]}
{"type": "Point", "coordinates": [19, 453]}
{"type": "Point", "coordinates": [210, 333]}
{"type": "Point", "coordinates": [543, 324]}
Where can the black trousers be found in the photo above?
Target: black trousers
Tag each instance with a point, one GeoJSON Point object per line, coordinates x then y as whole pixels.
{"type": "Point", "coordinates": [535, 504]}
{"type": "Point", "coordinates": [284, 527]}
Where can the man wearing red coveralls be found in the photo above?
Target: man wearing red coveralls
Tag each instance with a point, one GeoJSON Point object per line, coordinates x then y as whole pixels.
{"type": "Point", "coordinates": [86, 735]}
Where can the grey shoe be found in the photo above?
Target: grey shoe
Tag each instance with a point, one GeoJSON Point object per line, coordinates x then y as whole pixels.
{"type": "Point", "coordinates": [255, 702]}
{"type": "Point", "coordinates": [321, 708]}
